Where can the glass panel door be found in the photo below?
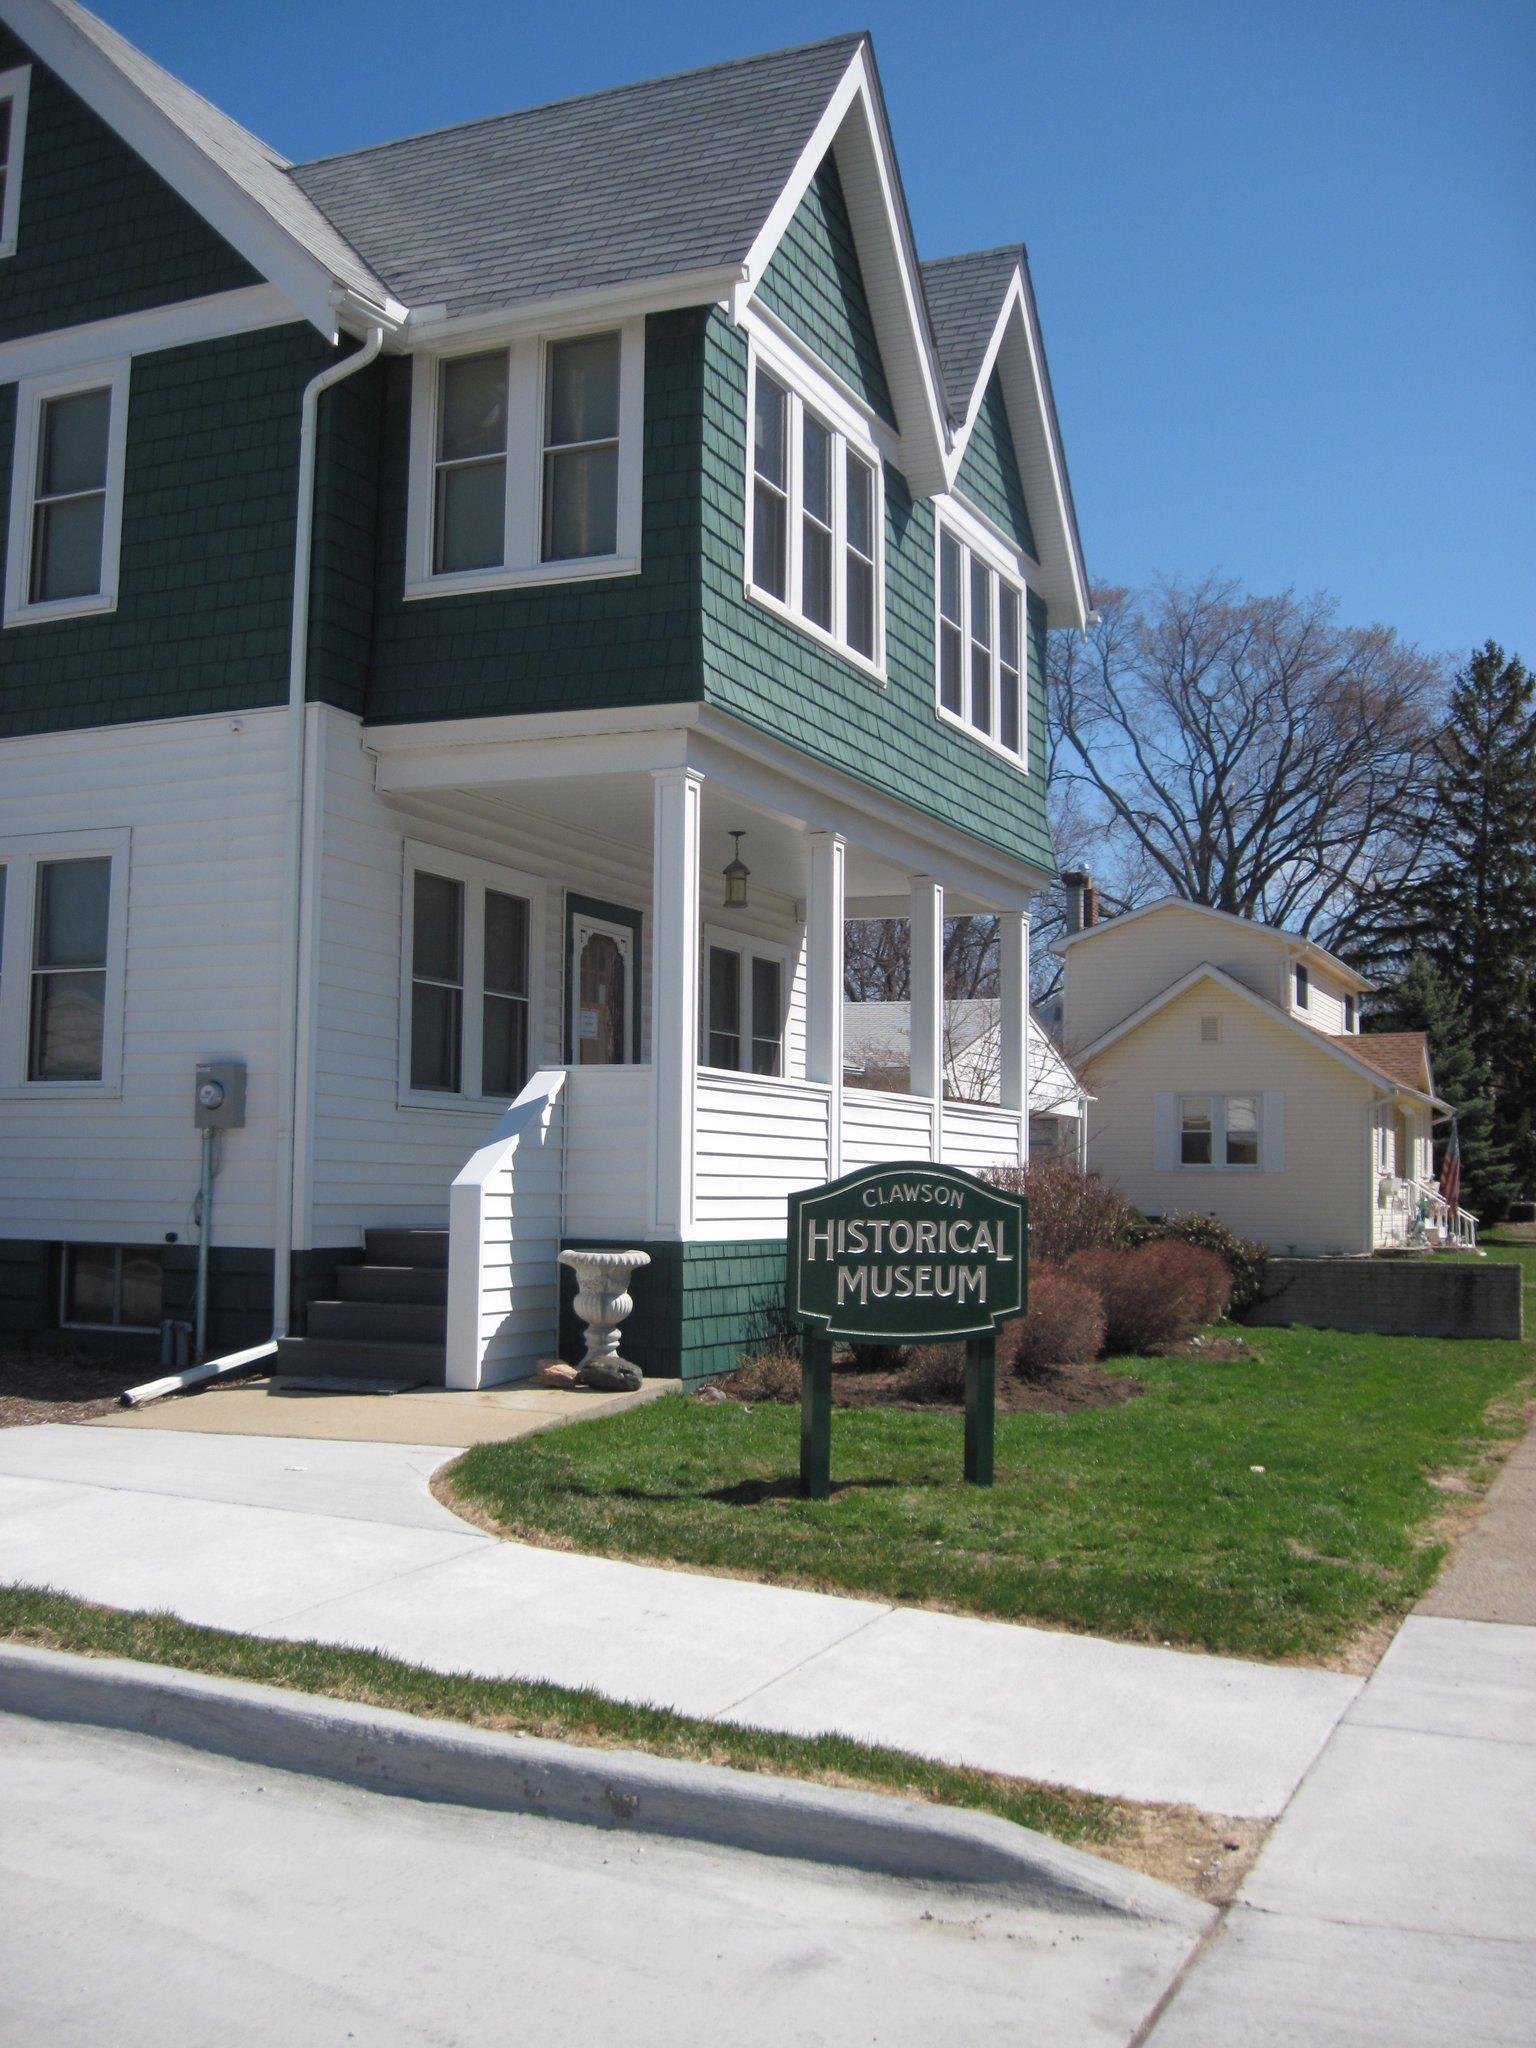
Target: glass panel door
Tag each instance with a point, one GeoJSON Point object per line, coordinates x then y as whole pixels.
{"type": "Point", "coordinates": [602, 975]}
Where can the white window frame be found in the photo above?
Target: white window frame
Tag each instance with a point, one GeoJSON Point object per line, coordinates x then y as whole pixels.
{"type": "Point", "coordinates": [21, 858]}
{"type": "Point", "coordinates": [15, 86]}
{"type": "Point", "coordinates": [975, 543]}
{"type": "Point", "coordinates": [1218, 1099]}
{"type": "Point", "coordinates": [850, 433]}
{"type": "Point", "coordinates": [746, 948]}
{"type": "Point", "coordinates": [31, 395]}
{"type": "Point", "coordinates": [476, 876]}
{"type": "Point", "coordinates": [527, 389]}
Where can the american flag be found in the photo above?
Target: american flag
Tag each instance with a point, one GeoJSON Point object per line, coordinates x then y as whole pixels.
{"type": "Point", "coordinates": [1450, 1170]}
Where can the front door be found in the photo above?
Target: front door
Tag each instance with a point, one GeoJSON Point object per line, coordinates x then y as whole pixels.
{"type": "Point", "coordinates": [602, 989]}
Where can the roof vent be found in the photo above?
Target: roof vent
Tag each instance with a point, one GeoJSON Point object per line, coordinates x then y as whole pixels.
{"type": "Point", "coordinates": [1210, 1030]}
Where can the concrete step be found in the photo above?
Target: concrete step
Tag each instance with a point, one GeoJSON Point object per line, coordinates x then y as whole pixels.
{"type": "Point", "coordinates": [351, 1359]}
{"type": "Point", "coordinates": [379, 1322]}
{"type": "Point", "coordinates": [407, 1247]}
{"type": "Point", "coordinates": [392, 1283]}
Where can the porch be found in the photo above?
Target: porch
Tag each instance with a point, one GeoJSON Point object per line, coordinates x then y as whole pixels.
{"type": "Point", "coordinates": [687, 1071]}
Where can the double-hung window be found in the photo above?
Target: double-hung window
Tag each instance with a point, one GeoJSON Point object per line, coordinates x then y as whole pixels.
{"type": "Point", "coordinates": [744, 995]}
{"type": "Point", "coordinates": [979, 657]}
{"type": "Point", "coordinates": [14, 87]}
{"type": "Point", "coordinates": [468, 985]}
{"type": "Point", "coordinates": [62, 920]}
{"type": "Point", "coordinates": [1219, 1130]}
{"type": "Point", "coordinates": [814, 517]}
{"type": "Point", "coordinates": [66, 494]}
{"type": "Point", "coordinates": [526, 461]}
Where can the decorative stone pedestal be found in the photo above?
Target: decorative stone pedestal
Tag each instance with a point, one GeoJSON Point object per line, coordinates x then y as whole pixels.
{"type": "Point", "coordinates": [603, 1301]}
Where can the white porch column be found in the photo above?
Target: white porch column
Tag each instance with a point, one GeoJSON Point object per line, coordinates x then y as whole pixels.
{"type": "Point", "coordinates": [676, 805]}
{"type": "Point", "coordinates": [824, 981]}
{"type": "Point", "coordinates": [927, 1027]}
{"type": "Point", "coordinates": [1013, 1012]}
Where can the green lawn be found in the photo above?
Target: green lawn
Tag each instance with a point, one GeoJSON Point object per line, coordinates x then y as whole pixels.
{"type": "Point", "coordinates": [1146, 1520]}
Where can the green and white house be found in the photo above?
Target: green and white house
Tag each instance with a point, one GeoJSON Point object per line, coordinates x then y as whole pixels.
{"type": "Point", "coordinates": [425, 570]}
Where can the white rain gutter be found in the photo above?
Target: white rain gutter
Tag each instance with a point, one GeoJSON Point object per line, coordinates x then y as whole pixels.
{"type": "Point", "coordinates": [297, 786]}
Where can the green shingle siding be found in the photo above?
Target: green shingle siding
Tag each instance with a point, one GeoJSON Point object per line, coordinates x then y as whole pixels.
{"type": "Point", "coordinates": [778, 679]}
{"type": "Point", "coordinates": [698, 1307]}
{"type": "Point", "coordinates": [555, 647]}
{"type": "Point", "coordinates": [100, 233]}
{"type": "Point", "coordinates": [815, 286]}
{"type": "Point", "coordinates": [344, 572]}
{"type": "Point", "coordinates": [210, 484]}
{"type": "Point", "coordinates": [989, 474]}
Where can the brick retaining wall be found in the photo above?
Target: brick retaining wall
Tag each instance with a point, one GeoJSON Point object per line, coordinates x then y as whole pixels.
{"type": "Point", "coordinates": [1410, 1297]}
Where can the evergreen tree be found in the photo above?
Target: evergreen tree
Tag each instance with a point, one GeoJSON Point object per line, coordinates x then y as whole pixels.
{"type": "Point", "coordinates": [1425, 999]}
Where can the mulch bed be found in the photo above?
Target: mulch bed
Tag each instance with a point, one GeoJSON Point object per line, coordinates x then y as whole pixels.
{"type": "Point", "coordinates": [43, 1383]}
{"type": "Point", "coordinates": [1063, 1388]}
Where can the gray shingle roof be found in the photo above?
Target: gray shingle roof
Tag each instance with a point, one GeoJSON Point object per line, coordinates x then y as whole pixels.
{"type": "Point", "coordinates": [965, 296]}
{"type": "Point", "coordinates": [240, 155]}
{"type": "Point", "coordinates": [652, 180]}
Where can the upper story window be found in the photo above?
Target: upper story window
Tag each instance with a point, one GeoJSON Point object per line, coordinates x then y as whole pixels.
{"type": "Point", "coordinates": [1351, 1014]}
{"type": "Point", "coordinates": [62, 922]}
{"type": "Point", "coordinates": [815, 518]}
{"type": "Point", "coordinates": [1303, 987]}
{"type": "Point", "coordinates": [979, 659]}
{"type": "Point", "coordinates": [14, 87]}
{"type": "Point", "coordinates": [468, 997]}
{"type": "Point", "coordinates": [526, 462]}
{"type": "Point", "coordinates": [66, 494]}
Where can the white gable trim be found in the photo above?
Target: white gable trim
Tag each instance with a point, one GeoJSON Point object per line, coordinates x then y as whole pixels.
{"type": "Point", "coordinates": [1017, 353]}
{"type": "Point", "coordinates": [227, 206]}
{"type": "Point", "coordinates": [1081, 1055]}
{"type": "Point", "coordinates": [1292, 943]}
{"type": "Point", "coordinates": [853, 123]}
{"type": "Point", "coordinates": [140, 334]}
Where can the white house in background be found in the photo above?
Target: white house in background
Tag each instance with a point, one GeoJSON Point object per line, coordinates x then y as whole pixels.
{"type": "Point", "coordinates": [1228, 1075]}
{"type": "Point", "coordinates": [877, 1053]}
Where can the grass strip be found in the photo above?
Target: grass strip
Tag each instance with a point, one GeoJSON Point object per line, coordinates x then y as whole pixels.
{"type": "Point", "coordinates": [56, 1621]}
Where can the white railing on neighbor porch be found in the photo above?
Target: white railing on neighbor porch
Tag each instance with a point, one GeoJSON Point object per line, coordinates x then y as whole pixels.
{"type": "Point", "coordinates": [1414, 1213]}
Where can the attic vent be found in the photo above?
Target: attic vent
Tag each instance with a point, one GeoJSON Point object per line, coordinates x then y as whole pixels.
{"type": "Point", "coordinates": [1210, 1030]}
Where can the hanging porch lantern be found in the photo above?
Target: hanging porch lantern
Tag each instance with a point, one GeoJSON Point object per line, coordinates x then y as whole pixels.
{"type": "Point", "coordinates": [736, 874]}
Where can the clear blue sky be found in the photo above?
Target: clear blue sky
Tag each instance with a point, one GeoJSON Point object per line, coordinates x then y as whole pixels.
{"type": "Point", "coordinates": [1285, 252]}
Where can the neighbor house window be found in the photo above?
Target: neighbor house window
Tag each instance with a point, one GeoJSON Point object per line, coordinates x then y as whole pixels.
{"type": "Point", "coordinates": [1219, 1130]}
{"type": "Point", "coordinates": [814, 517]}
{"type": "Point", "coordinates": [467, 994]}
{"type": "Point", "coordinates": [525, 462]}
{"type": "Point", "coordinates": [1351, 1015]}
{"type": "Point", "coordinates": [14, 87]}
{"type": "Point", "coordinates": [112, 1287]}
{"type": "Point", "coordinates": [743, 1024]}
{"type": "Point", "coordinates": [1303, 988]}
{"type": "Point", "coordinates": [66, 494]}
{"type": "Point", "coordinates": [62, 901]}
{"type": "Point", "coordinates": [979, 656]}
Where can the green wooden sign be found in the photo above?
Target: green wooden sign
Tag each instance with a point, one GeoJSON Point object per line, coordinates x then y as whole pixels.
{"type": "Point", "coordinates": [912, 1254]}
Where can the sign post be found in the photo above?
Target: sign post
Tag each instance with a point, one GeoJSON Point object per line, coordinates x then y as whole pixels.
{"type": "Point", "coordinates": [908, 1254]}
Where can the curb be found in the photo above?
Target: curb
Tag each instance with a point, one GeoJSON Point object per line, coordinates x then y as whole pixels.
{"type": "Point", "coordinates": [410, 1757]}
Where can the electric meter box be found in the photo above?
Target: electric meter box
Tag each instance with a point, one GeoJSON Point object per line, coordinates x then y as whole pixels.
{"type": "Point", "coordinates": [218, 1102]}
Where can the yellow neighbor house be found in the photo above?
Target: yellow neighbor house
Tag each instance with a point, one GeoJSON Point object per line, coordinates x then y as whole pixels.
{"type": "Point", "coordinates": [1228, 1075]}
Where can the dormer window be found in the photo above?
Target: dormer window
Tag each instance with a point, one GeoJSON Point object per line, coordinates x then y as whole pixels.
{"type": "Point", "coordinates": [525, 462]}
{"type": "Point", "coordinates": [1351, 1014]}
{"type": "Point", "coordinates": [1303, 988]}
{"type": "Point", "coordinates": [815, 516]}
{"type": "Point", "coordinates": [14, 86]}
{"type": "Point", "coordinates": [980, 652]}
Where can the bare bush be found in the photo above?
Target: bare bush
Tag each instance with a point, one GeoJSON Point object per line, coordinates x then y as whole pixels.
{"type": "Point", "coordinates": [1069, 1210]}
{"type": "Point", "coordinates": [1152, 1295]}
{"type": "Point", "coordinates": [1065, 1326]}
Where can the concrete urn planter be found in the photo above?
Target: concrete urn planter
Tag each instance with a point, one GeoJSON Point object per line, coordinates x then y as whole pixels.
{"type": "Point", "coordinates": [603, 1301]}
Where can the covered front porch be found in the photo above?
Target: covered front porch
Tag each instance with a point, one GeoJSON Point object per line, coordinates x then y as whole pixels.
{"type": "Point", "coordinates": [690, 1075]}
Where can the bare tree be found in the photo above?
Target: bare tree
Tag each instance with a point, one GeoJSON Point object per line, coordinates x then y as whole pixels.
{"type": "Point", "coordinates": [877, 958]}
{"type": "Point", "coordinates": [1246, 752]}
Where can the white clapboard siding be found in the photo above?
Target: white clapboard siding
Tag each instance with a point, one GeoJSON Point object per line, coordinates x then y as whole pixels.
{"type": "Point", "coordinates": [607, 1151]}
{"type": "Point", "coordinates": [880, 1126]}
{"type": "Point", "coordinates": [976, 1134]}
{"type": "Point", "coordinates": [201, 802]}
{"type": "Point", "coordinates": [758, 1140]}
{"type": "Point", "coordinates": [504, 1227]}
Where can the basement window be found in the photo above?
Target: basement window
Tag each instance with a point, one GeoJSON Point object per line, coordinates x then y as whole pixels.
{"type": "Point", "coordinates": [14, 88]}
{"type": "Point", "coordinates": [112, 1287]}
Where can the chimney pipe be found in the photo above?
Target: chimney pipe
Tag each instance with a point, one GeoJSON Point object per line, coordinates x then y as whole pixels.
{"type": "Point", "coordinates": [1082, 901]}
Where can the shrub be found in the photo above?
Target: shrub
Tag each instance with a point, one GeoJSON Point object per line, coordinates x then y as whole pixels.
{"type": "Point", "coordinates": [1069, 1210]}
{"type": "Point", "coordinates": [1064, 1326]}
{"type": "Point", "coordinates": [1154, 1294]}
{"type": "Point", "coordinates": [1245, 1260]}
{"type": "Point", "coordinates": [772, 1374]}
{"type": "Point", "coordinates": [932, 1372]}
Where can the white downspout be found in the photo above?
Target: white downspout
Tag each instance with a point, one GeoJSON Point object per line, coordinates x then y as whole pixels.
{"type": "Point", "coordinates": [297, 772]}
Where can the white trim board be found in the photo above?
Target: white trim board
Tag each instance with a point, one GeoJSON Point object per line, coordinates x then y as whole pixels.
{"type": "Point", "coordinates": [141, 334]}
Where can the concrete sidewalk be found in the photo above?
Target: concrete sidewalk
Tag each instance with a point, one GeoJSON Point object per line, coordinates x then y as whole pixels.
{"type": "Point", "coordinates": [343, 1542]}
{"type": "Point", "coordinates": [1395, 1904]}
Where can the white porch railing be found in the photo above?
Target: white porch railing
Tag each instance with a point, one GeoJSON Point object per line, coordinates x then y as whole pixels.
{"type": "Point", "coordinates": [978, 1134]}
{"type": "Point", "coordinates": [1413, 1213]}
{"type": "Point", "coordinates": [756, 1141]}
{"type": "Point", "coordinates": [879, 1125]}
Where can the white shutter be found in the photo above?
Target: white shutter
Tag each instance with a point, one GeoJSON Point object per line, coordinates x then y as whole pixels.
{"type": "Point", "coordinates": [1272, 1140]}
{"type": "Point", "coordinates": [1165, 1131]}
